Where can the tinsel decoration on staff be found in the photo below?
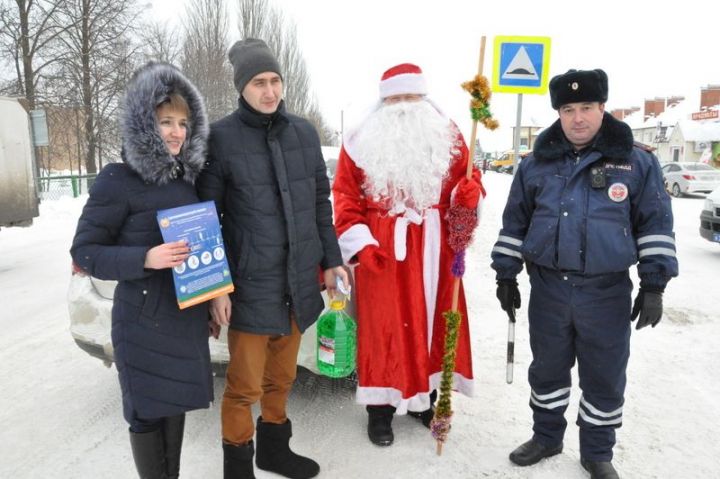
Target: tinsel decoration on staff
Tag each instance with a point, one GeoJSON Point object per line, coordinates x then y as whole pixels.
{"type": "Point", "coordinates": [462, 222]}
{"type": "Point", "coordinates": [480, 91]}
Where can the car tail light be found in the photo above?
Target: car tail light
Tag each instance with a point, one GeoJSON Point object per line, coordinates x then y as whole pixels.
{"type": "Point", "coordinates": [75, 269]}
{"type": "Point", "coordinates": [689, 177]}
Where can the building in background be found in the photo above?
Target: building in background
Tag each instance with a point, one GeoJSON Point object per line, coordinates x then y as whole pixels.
{"type": "Point", "coordinates": [676, 129]}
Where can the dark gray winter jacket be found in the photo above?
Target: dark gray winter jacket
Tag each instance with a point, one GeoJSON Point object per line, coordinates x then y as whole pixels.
{"type": "Point", "coordinates": [161, 352]}
{"type": "Point", "coordinates": [268, 179]}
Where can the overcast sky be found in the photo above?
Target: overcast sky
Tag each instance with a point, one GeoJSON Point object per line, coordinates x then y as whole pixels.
{"type": "Point", "coordinates": [646, 48]}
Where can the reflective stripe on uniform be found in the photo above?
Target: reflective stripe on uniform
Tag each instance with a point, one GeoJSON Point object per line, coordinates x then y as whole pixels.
{"type": "Point", "coordinates": [538, 399]}
{"type": "Point", "coordinates": [654, 238]}
{"type": "Point", "coordinates": [509, 240]}
{"type": "Point", "coordinates": [506, 251]}
{"type": "Point", "coordinates": [656, 245]}
{"type": "Point", "coordinates": [601, 418]}
{"type": "Point", "coordinates": [656, 251]}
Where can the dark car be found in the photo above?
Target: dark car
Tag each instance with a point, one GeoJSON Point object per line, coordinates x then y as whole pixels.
{"type": "Point", "coordinates": [710, 217]}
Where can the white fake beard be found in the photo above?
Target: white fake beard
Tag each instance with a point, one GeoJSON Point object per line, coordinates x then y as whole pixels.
{"type": "Point", "coordinates": [405, 151]}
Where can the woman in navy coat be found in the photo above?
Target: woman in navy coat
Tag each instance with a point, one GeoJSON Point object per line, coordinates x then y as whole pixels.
{"type": "Point", "coordinates": [161, 352]}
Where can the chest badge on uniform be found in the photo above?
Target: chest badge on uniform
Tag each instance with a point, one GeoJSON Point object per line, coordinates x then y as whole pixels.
{"type": "Point", "coordinates": [618, 192]}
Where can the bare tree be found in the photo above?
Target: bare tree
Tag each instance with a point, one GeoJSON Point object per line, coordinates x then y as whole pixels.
{"type": "Point", "coordinates": [64, 151]}
{"type": "Point", "coordinates": [98, 57]}
{"type": "Point", "coordinates": [162, 43]}
{"type": "Point", "coordinates": [27, 29]}
{"type": "Point", "coordinates": [258, 19]}
{"type": "Point", "coordinates": [205, 55]}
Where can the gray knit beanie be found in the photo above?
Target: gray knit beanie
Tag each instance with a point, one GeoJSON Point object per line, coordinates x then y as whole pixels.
{"type": "Point", "coordinates": [251, 57]}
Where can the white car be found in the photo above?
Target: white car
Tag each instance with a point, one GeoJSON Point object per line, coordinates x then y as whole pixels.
{"type": "Point", "coordinates": [710, 217]}
{"type": "Point", "coordinates": [90, 304]}
{"type": "Point", "coordinates": [690, 178]}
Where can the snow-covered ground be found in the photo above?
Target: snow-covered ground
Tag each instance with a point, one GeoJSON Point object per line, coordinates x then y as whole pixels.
{"type": "Point", "coordinates": [60, 412]}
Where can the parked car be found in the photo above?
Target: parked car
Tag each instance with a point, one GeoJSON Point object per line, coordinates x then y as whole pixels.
{"type": "Point", "coordinates": [690, 178]}
{"type": "Point", "coordinates": [710, 217]}
{"type": "Point", "coordinates": [90, 304]}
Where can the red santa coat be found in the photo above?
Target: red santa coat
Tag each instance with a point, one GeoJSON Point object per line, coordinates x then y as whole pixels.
{"type": "Point", "coordinates": [401, 331]}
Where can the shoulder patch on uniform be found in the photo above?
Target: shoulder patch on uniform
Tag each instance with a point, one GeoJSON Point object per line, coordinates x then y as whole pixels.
{"type": "Point", "coordinates": [643, 146]}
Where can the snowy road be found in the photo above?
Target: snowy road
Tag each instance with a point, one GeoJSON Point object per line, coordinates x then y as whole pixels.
{"type": "Point", "coordinates": [60, 414]}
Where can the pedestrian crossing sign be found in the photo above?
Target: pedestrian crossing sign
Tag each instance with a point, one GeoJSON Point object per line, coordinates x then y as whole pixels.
{"type": "Point", "coordinates": [521, 64]}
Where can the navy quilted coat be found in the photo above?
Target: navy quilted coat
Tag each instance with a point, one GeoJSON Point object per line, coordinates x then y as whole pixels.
{"type": "Point", "coordinates": [161, 352]}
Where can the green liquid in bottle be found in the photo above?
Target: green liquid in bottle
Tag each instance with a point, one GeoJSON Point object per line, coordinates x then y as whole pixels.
{"type": "Point", "coordinates": [336, 342]}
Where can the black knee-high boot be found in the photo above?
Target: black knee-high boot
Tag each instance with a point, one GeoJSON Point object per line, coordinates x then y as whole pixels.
{"type": "Point", "coordinates": [173, 429]}
{"type": "Point", "coordinates": [148, 451]}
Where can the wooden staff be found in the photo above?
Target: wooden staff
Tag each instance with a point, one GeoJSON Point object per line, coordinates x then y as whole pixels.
{"type": "Point", "coordinates": [473, 134]}
{"type": "Point", "coordinates": [468, 175]}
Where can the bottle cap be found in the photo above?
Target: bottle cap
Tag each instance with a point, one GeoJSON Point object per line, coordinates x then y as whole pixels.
{"type": "Point", "coordinates": [337, 304]}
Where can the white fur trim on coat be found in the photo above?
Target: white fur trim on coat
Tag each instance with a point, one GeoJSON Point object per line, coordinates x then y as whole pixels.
{"type": "Point", "coordinates": [354, 239]}
{"type": "Point", "coordinates": [431, 266]}
{"type": "Point", "coordinates": [420, 402]}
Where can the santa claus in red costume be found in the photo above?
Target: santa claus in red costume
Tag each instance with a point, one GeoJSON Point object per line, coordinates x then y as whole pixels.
{"type": "Point", "coordinates": [397, 175]}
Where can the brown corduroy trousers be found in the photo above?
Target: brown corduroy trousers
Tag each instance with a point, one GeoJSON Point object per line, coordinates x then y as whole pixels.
{"type": "Point", "coordinates": [261, 368]}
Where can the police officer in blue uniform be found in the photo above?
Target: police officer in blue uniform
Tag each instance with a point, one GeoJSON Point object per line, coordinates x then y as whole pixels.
{"type": "Point", "coordinates": [584, 207]}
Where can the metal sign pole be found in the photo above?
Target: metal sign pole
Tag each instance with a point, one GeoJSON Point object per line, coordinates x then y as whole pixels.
{"type": "Point", "coordinates": [516, 140]}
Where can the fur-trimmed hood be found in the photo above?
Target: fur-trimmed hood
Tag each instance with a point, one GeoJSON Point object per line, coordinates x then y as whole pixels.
{"type": "Point", "coordinates": [614, 140]}
{"type": "Point", "coordinates": [143, 148]}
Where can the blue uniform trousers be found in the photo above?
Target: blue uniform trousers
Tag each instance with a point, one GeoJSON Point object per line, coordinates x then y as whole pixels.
{"type": "Point", "coordinates": [573, 316]}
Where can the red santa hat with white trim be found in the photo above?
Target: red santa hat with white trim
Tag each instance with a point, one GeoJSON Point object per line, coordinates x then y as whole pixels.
{"type": "Point", "coordinates": [403, 79]}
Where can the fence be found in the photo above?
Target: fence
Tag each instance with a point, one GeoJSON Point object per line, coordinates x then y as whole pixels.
{"type": "Point", "coordinates": [54, 187]}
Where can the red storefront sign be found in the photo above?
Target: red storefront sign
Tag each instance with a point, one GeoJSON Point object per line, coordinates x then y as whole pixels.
{"type": "Point", "coordinates": [705, 115]}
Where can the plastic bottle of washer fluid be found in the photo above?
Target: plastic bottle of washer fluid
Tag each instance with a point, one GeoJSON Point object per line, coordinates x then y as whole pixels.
{"type": "Point", "coordinates": [337, 337]}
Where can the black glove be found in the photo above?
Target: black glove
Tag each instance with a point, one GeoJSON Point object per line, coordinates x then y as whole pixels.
{"type": "Point", "coordinates": [648, 307]}
{"type": "Point", "coordinates": [508, 294]}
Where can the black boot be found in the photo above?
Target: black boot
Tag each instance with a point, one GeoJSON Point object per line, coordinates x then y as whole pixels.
{"type": "Point", "coordinates": [427, 415]}
{"type": "Point", "coordinates": [532, 451]}
{"type": "Point", "coordinates": [599, 469]}
{"type": "Point", "coordinates": [238, 461]}
{"type": "Point", "coordinates": [148, 452]}
{"type": "Point", "coordinates": [380, 424]}
{"type": "Point", "coordinates": [173, 429]}
{"type": "Point", "coordinates": [274, 454]}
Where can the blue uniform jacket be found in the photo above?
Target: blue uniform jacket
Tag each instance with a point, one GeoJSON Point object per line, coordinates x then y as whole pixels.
{"type": "Point", "coordinates": [556, 219]}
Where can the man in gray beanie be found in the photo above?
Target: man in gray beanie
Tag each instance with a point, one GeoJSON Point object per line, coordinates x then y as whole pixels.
{"type": "Point", "coordinates": [585, 206]}
{"type": "Point", "coordinates": [267, 176]}
{"type": "Point", "coordinates": [251, 57]}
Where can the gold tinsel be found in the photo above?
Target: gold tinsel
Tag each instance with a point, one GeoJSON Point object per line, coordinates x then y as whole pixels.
{"type": "Point", "coordinates": [479, 89]}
